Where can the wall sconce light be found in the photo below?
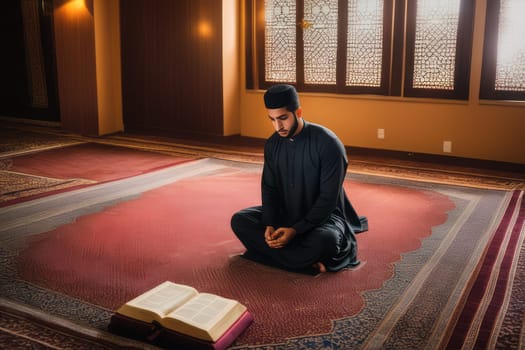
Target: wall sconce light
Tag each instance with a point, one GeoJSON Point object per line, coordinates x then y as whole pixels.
{"type": "Point", "coordinates": [204, 29]}
{"type": "Point", "coordinates": [76, 5]}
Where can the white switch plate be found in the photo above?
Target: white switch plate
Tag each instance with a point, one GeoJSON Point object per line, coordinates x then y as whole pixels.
{"type": "Point", "coordinates": [447, 146]}
{"type": "Point", "coordinates": [380, 133]}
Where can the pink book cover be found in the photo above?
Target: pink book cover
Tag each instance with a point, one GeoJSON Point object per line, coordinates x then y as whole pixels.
{"type": "Point", "coordinates": [233, 332]}
{"type": "Point", "coordinates": [168, 339]}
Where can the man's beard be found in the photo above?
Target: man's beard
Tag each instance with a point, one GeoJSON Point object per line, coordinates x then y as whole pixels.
{"type": "Point", "coordinates": [294, 127]}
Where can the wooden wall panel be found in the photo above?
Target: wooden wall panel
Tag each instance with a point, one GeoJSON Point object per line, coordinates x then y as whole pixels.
{"type": "Point", "coordinates": [172, 66]}
{"type": "Point", "coordinates": [76, 67]}
{"type": "Point", "coordinates": [14, 90]}
{"type": "Point", "coordinates": [27, 62]}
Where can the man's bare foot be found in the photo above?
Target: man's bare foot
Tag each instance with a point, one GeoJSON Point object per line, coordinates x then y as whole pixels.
{"type": "Point", "coordinates": [319, 266]}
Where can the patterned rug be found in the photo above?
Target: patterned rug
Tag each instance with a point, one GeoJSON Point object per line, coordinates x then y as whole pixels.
{"type": "Point", "coordinates": [23, 327]}
{"type": "Point", "coordinates": [22, 140]}
{"type": "Point", "coordinates": [52, 170]}
{"type": "Point", "coordinates": [402, 170]}
{"type": "Point", "coordinates": [415, 306]}
{"type": "Point", "coordinates": [15, 185]}
{"type": "Point", "coordinates": [461, 286]}
{"type": "Point", "coordinates": [19, 140]}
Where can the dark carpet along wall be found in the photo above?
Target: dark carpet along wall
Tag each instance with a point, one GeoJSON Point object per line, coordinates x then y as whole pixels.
{"type": "Point", "coordinates": [172, 75]}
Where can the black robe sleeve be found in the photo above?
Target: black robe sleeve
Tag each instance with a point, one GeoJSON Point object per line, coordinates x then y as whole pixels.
{"type": "Point", "coordinates": [270, 187]}
{"type": "Point", "coordinates": [333, 164]}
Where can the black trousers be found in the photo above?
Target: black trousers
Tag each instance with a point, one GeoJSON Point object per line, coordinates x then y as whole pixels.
{"type": "Point", "coordinates": [327, 244]}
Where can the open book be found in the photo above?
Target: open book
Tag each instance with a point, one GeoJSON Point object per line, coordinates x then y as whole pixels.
{"type": "Point", "coordinates": [183, 309]}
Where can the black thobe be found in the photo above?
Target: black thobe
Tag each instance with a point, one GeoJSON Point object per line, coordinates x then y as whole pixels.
{"type": "Point", "coordinates": [302, 187]}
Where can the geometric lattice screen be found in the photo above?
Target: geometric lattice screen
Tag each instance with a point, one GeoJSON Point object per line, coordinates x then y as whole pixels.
{"type": "Point", "coordinates": [435, 44]}
{"type": "Point", "coordinates": [320, 41]}
{"type": "Point", "coordinates": [364, 43]}
{"type": "Point", "coordinates": [434, 56]}
{"type": "Point", "coordinates": [280, 42]}
{"type": "Point", "coordinates": [510, 63]}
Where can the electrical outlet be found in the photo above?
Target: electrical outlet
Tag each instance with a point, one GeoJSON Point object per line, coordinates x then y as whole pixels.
{"type": "Point", "coordinates": [380, 133]}
{"type": "Point", "coordinates": [447, 146]}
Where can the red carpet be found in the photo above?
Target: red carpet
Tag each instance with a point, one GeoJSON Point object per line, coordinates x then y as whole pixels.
{"type": "Point", "coordinates": [92, 161]}
{"type": "Point", "coordinates": [181, 232]}
{"type": "Point", "coordinates": [486, 305]}
{"type": "Point", "coordinates": [71, 167]}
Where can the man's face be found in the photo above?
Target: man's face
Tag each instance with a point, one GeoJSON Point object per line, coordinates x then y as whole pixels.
{"type": "Point", "coordinates": [282, 120]}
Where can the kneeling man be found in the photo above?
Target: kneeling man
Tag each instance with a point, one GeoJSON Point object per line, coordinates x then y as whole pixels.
{"type": "Point", "coordinates": [306, 222]}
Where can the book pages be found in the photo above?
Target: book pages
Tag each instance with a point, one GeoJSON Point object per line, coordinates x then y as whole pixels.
{"type": "Point", "coordinates": [163, 299]}
{"type": "Point", "coordinates": [204, 311]}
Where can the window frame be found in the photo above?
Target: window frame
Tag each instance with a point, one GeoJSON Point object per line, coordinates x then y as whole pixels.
{"type": "Point", "coordinates": [397, 60]}
{"type": "Point", "coordinates": [386, 67]}
{"type": "Point", "coordinates": [463, 55]}
{"type": "Point", "coordinates": [487, 89]}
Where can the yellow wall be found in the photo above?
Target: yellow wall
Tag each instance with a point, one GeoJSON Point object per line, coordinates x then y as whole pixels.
{"type": "Point", "coordinates": [107, 53]}
{"type": "Point", "coordinates": [478, 130]}
{"type": "Point", "coordinates": [230, 63]}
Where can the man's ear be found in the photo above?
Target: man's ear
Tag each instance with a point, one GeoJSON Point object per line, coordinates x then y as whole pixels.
{"type": "Point", "coordinates": [299, 112]}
